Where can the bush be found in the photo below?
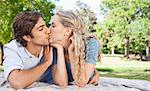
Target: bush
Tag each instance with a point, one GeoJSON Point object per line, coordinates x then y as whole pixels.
{"type": "Point", "coordinates": [105, 69]}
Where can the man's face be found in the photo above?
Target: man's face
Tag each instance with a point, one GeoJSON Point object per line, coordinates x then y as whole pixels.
{"type": "Point", "coordinates": [40, 33]}
{"type": "Point", "coordinates": [57, 30]}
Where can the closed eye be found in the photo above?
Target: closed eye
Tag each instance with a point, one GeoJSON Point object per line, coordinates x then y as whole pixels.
{"type": "Point", "coordinates": [53, 26]}
{"type": "Point", "coordinates": [41, 29]}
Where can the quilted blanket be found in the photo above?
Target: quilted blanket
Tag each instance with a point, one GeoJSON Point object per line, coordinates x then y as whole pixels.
{"type": "Point", "coordinates": [105, 84]}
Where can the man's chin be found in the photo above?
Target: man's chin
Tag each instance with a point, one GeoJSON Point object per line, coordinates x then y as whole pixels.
{"type": "Point", "coordinates": [46, 43]}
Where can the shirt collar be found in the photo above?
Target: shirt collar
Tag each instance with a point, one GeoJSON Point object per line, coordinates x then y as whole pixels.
{"type": "Point", "coordinates": [33, 56]}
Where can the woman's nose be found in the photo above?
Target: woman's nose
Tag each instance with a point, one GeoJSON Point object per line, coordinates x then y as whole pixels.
{"type": "Point", "coordinates": [49, 27]}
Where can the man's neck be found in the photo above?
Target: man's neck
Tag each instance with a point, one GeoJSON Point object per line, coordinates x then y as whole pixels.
{"type": "Point", "coordinates": [34, 50]}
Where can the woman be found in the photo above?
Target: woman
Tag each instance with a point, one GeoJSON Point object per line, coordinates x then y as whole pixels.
{"type": "Point", "coordinates": [81, 50]}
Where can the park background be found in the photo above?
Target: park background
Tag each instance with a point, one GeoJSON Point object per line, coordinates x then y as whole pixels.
{"type": "Point", "coordinates": [122, 27]}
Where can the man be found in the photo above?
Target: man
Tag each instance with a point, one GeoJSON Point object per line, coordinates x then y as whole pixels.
{"type": "Point", "coordinates": [22, 55]}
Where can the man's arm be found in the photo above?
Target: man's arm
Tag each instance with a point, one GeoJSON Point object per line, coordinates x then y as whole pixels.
{"type": "Point", "coordinates": [23, 78]}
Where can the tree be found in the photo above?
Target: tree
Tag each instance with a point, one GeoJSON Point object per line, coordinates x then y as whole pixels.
{"type": "Point", "coordinates": [10, 8]}
{"type": "Point", "coordinates": [88, 16]}
{"type": "Point", "coordinates": [127, 20]}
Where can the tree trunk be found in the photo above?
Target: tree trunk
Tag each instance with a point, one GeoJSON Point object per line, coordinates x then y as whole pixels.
{"type": "Point", "coordinates": [147, 51]}
{"type": "Point", "coordinates": [112, 50]}
{"type": "Point", "coordinates": [147, 48]}
{"type": "Point", "coordinates": [1, 53]}
{"type": "Point", "coordinates": [126, 48]}
{"type": "Point", "coordinates": [141, 56]}
{"type": "Point", "coordinates": [0, 56]}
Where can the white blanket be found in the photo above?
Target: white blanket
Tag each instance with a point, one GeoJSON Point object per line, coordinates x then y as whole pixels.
{"type": "Point", "coordinates": [105, 84]}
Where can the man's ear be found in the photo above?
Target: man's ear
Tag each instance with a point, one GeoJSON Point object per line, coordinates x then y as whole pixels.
{"type": "Point", "coordinates": [69, 31]}
{"type": "Point", "coordinates": [26, 37]}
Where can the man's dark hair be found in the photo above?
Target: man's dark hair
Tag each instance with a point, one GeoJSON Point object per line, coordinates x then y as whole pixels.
{"type": "Point", "coordinates": [23, 25]}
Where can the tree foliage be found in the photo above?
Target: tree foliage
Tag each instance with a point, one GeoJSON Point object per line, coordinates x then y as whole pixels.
{"type": "Point", "coordinates": [87, 15]}
{"type": "Point", "coordinates": [125, 19]}
{"type": "Point", "coordinates": [10, 8]}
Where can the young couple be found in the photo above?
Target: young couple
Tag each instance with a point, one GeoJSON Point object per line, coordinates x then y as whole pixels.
{"type": "Point", "coordinates": [60, 54]}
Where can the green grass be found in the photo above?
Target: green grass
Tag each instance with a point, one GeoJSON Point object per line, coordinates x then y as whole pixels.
{"type": "Point", "coordinates": [129, 73]}
{"type": "Point", "coordinates": [118, 68]}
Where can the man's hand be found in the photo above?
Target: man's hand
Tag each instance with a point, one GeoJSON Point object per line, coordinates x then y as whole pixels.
{"type": "Point", "coordinates": [48, 54]}
{"type": "Point", "coordinates": [95, 78]}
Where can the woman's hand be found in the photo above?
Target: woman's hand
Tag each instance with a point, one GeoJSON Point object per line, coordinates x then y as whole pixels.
{"type": "Point", "coordinates": [55, 43]}
{"type": "Point", "coordinates": [81, 84]}
{"type": "Point", "coordinates": [95, 78]}
{"type": "Point", "coordinates": [71, 50]}
{"type": "Point", "coordinates": [71, 46]}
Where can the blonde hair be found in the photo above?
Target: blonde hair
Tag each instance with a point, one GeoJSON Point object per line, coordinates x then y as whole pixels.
{"type": "Point", "coordinates": [72, 20]}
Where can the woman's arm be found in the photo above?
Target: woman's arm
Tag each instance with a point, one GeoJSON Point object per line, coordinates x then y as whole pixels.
{"type": "Point", "coordinates": [89, 72]}
{"type": "Point", "coordinates": [95, 78]}
{"type": "Point", "coordinates": [92, 55]}
{"type": "Point", "coordinates": [59, 71]}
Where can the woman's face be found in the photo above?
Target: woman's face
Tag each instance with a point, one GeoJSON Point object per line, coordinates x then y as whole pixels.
{"type": "Point", "coordinates": [57, 30]}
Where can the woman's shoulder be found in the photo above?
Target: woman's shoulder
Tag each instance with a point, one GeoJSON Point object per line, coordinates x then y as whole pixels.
{"type": "Point", "coordinates": [92, 42]}
{"type": "Point", "coordinates": [92, 48]}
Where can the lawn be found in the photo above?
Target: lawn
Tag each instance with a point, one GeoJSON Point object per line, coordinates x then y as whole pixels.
{"type": "Point", "coordinates": [118, 67]}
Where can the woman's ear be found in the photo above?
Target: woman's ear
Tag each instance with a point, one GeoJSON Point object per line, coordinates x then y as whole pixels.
{"type": "Point", "coordinates": [69, 31]}
{"type": "Point", "coordinates": [26, 38]}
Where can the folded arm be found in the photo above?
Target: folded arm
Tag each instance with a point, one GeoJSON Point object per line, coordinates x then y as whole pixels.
{"type": "Point", "coordinates": [20, 78]}
{"type": "Point", "coordinates": [91, 58]}
{"type": "Point", "coordinates": [59, 71]}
